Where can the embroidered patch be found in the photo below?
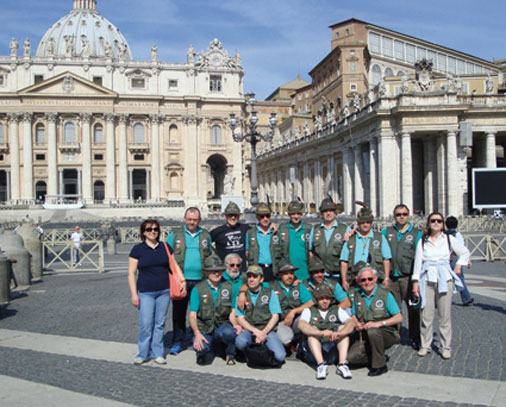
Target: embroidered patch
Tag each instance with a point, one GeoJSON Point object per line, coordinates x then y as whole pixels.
{"type": "Point", "coordinates": [380, 305]}
{"type": "Point", "coordinates": [376, 243]}
{"type": "Point", "coordinates": [409, 238]}
{"type": "Point", "coordinates": [275, 239]}
{"type": "Point", "coordinates": [225, 293]}
{"type": "Point", "coordinates": [296, 294]}
{"type": "Point", "coordinates": [265, 299]}
{"type": "Point", "coordinates": [332, 318]}
{"type": "Point", "coordinates": [338, 236]}
{"type": "Point", "coordinates": [204, 244]}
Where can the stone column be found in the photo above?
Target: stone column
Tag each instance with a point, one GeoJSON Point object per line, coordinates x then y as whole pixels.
{"type": "Point", "coordinates": [305, 183]}
{"type": "Point", "coordinates": [131, 184]}
{"type": "Point", "coordinates": [192, 162]}
{"type": "Point", "coordinates": [155, 157]}
{"type": "Point", "coordinates": [490, 156]}
{"type": "Point", "coordinates": [347, 184]}
{"type": "Point", "coordinates": [60, 182]}
{"type": "Point", "coordinates": [27, 157]}
{"type": "Point", "coordinates": [406, 171]}
{"type": "Point", "coordinates": [86, 190]}
{"type": "Point", "coordinates": [237, 162]}
{"type": "Point", "coordinates": [280, 192]}
{"type": "Point", "coordinates": [429, 163]}
{"type": "Point", "coordinates": [148, 185]}
{"type": "Point", "coordinates": [79, 182]}
{"type": "Point", "coordinates": [14, 155]}
{"type": "Point", "coordinates": [110, 187]}
{"type": "Point", "coordinates": [373, 153]}
{"type": "Point", "coordinates": [331, 176]}
{"type": "Point", "coordinates": [441, 174]}
{"type": "Point", "coordinates": [388, 193]}
{"type": "Point", "coordinates": [453, 191]}
{"type": "Point", "coordinates": [123, 159]}
{"type": "Point", "coordinates": [52, 155]}
{"type": "Point", "coordinates": [8, 185]}
{"type": "Point", "coordinates": [317, 181]}
{"type": "Point", "coordinates": [357, 173]}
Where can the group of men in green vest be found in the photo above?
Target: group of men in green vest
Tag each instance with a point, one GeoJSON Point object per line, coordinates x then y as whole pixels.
{"type": "Point", "coordinates": [319, 284]}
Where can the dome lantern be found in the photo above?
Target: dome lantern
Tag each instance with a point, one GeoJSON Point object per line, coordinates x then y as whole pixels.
{"type": "Point", "coordinates": [85, 4]}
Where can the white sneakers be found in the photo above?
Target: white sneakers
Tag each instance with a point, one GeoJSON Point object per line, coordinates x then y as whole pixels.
{"type": "Point", "coordinates": [160, 361]}
{"type": "Point", "coordinates": [344, 371]}
{"type": "Point", "coordinates": [322, 371]}
{"type": "Point", "coordinates": [139, 361]}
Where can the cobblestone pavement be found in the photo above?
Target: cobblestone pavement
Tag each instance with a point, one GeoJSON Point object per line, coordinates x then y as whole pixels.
{"type": "Point", "coordinates": [88, 305]}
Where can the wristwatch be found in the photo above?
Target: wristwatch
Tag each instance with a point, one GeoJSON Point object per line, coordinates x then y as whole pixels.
{"type": "Point", "coordinates": [384, 323]}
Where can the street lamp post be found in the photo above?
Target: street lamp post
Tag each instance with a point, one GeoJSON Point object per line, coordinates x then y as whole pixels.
{"type": "Point", "coordinates": [253, 136]}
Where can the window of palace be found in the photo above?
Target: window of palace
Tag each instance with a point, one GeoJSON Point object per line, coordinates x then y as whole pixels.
{"type": "Point", "coordinates": [138, 83]}
{"type": "Point", "coordinates": [421, 53]}
{"type": "Point", "coordinates": [173, 84]}
{"type": "Point", "coordinates": [461, 67]}
{"type": "Point", "coordinates": [387, 45]}
{"type": "Point", "coordinates": [353, 87]}
{"type": "Point", "coordinates": [441, 62]}
{"type": "Point", "coordinates": [400, 73]}
{"type": "Point", "coordinates": [215, 83]}
{"type": "Point", "coordinates": [40, 137]}
{"type": "Point", "coordinates": [40, 157]}
{"type": "Point", "coordinates": [469, 68]}
{"type": "Point", "coordinates": [376, 75]}
{"type": "Point", "coordinates": [452, 65]}
{"type": "Point", "coordinates": [69, 133]}
{"type": "Point", "coordinates": [216, 135]}
{"type": "Point", "coordinates": [98, 134]}
{"type": "Point", "coordinates": [173, 134]}
{"type": "Point", "coordinates": [38, 79]}
{"type": "Point", "coordinates": [399, 50]}
{"type": "Point", "coordinates": [98, 157]}
{"type": "Point", "coordinates": [139, 157]}
{"type": "Point", "coordinates": [2, 80]}
{"type": "Point", "coordinates": [2, 157]}
{"type": "Point", "coordinates": [138, 133]}
{"type": "Point", "coordinates": [374, 42]}
{"type": "Point", "coordinates": [410, 53]}
{"type": "Point", "coordinates": [431, 56]}
{"type": "Point", "coordinates": [2, 135]}
{"type": "Point", "coordinates": [389, 72]}
{"type": "Point", "coordinates": [97, 80]}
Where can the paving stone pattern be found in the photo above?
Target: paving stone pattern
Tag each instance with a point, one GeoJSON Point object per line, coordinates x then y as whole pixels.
{"type": "Point", "coordinates": [151, 386]}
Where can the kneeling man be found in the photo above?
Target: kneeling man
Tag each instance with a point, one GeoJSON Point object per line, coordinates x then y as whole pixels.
{"type": "Point", "coordinates": [327, 328]}
{"type": "Point", "coordinates": [212, 317]}
{"type": "Point", "coordinates": [376, 314]}
{"type": "Point", "coordinates": [260, 315]}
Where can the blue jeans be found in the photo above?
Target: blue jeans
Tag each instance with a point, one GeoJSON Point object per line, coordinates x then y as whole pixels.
{"type": "Point", "coordinates": [75, 252]}
{"type": "Point", "coordinates": [465, 295]}
{"type": "Point", "coordinates": [224, 334]}
{"type": "Point", "coordinates": [273, 343]}
{"type": "Point", "coordinates": [153, 309]}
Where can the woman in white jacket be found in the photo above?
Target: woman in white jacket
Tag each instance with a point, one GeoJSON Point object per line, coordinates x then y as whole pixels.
{"type": "Point", "coordinates": [435, 282]}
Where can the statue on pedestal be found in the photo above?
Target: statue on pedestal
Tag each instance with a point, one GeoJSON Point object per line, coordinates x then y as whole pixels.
{"type": "Point", "coordinates": [14, 46]}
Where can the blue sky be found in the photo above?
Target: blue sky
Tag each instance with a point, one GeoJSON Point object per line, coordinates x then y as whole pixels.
{"type": "Point", "coordinates": [277, 39]}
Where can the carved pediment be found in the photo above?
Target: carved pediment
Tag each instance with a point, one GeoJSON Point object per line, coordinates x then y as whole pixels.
{"type": "Point", "coordinates": [66, 84]}
{"type": "Point", "coordinates": [138, 73]}
{"type": "Point", "coordinates": [173, 165]}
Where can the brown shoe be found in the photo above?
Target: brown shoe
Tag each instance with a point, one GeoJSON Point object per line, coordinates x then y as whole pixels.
{"type": "Point", "coordinates": [230, 361]}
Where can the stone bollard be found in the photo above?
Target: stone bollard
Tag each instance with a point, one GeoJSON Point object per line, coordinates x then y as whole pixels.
{"type": "Point", "coordinates": [13, 247]}
{"type": "Point", "coordinates": [5, 280]}
{"type": "Point", "coordinates": [111, 246]}
{"type": "Point", "coordinates": [31, 240]}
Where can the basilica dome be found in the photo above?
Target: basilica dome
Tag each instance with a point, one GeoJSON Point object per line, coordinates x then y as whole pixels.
{"type": "Point", "coordinates": [84, 33]}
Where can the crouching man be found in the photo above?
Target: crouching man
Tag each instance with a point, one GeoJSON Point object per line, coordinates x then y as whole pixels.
{"type": "Point", "coordinates": [327, 328]}
{"type": "Point", "coordinates": [260, 315]}
{"type": "Point", "coordinates": [376, 314]}
{"type": "Point", "coordinates": [212, 318]}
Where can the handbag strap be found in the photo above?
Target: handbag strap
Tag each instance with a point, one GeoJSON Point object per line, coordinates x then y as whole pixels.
{"type": "Point", "coordinates": [168, 255]}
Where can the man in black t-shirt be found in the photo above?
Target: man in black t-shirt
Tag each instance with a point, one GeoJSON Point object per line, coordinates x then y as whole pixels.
{"type": "Point", "coordinates": [231, 237]}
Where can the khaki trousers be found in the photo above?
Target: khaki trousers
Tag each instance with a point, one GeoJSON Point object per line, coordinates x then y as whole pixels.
{"type": "Point", "coordinates": [401, 288]}
{"type": "Point", "coordinates": [370, 349]}
{"type": "Point", "coordinates": [444, 307]}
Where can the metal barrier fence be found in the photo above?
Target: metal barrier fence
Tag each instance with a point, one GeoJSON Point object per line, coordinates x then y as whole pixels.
{"type": "Point", "coordinates": [488, 247]}
{"type": "Point", "coordinates": [59, 256]}
{"type": "Point", "coordinates": [63, 235]}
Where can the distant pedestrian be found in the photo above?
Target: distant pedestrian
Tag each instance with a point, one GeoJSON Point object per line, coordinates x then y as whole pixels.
{"type": "Point", "coordinates": [76, 239]}
{"type": "Point", "coordinates": [18, 226]}
{"type": "Point", "coordinates": [148, 279]}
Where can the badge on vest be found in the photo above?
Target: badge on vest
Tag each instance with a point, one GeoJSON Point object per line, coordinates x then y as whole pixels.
{"type": "Point", "coordinates": [332, 318]}
{"type": "Point", "coordinates": [409, 239]}
{"type": "Point", "coordinates": [296, 294]}
{"type": "Point", "coordinates": [380, 305]}
{"type": "Point", "coordinates": [265, 299]}
{"type": "Point", "coordinates": [376, 243]}
{"type": "Point", "coordinates": [275, 239]}
{"type": "Point", "coordinates": [225, 293]}
{"type": "Point", "coordinates": [306, 237]}
{"type": "Point", "coordinates": [338, 237]}
{"type": "Point", "coordinates": [204, 244]}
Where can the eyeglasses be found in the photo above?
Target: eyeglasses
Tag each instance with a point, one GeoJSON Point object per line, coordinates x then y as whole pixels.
{"type": "Point", "coordinates": [363, 280]}
{"type": "Point", "coordinates": [436, 220]}
{"type": "Point", "coordinates": [234, 265]}
{"type": "Point", "coordinates": [398, 215]}
{"type": "Point", "coordinates": [233, 215]}
{"type": "Point", "coordinates": [264, 216]}
{"type": "Point", "coordinates": [152, 229]}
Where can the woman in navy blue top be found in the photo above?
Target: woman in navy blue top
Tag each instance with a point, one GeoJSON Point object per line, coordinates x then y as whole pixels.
{"type": "Point", "coordinates": [148, 278]}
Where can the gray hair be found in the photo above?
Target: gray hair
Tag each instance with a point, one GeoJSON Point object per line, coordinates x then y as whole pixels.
{"type": "Point", "coordinates": [232, 256]}
{"type": "Point", "coordinates": [366, 268]}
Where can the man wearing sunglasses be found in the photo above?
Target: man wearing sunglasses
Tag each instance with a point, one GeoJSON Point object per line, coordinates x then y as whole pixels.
{"type": "Point", "coordinates": [402, 238]}
{"type": "Point", "coordinates": [231, 237]}
{"type": "Point", "coordinates": [375, 313]}
{"type": "Point", "coordinates": [232, 272]}
{"type": "Point", "coordinates": [191, 245]}
{"type": "Point", "coordinates": [368, 247]}
{"type": "Point", "coordinates": [263, 247]}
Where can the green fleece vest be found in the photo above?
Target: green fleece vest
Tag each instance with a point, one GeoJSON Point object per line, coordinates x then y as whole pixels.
{"type": "Point", "coordinates": [375, 258]}
{"type": "Point", "coordinates": [329, 254]}
{"type": "Point", "coordinates": [287, 302]}
{"type": "Point", "coordinates": [377, 310]}
{"type": "Point", "coordinates": [210, 316]}
{"type": "Point", "coordinates": [403, 251]}
{"type": "Point", "coordinates": [284, 233]}
{"type": "Point", "coordinates": [254, 249]}
{"type": "Point", "coordinates": [180, 245]}
{"type": "Point", "coordinates": [259, 314]}
{"type": "Point", "coordinates": [330, 322]}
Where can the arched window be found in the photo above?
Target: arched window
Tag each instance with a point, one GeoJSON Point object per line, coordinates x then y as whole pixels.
{"type": "Point", "coordinates": [69, 133]}
{"type": "Point", "coordinates": [2, 136]}
{"type": "Point", "coordinates": [138, 133]}
{"type": "Point", "coordinates": [400, 73]}
{"type": "Point", "coordinates": [389, 72]}
{"type": "Point", "coordinates": [173, 134]}
{"type": "Point", "coordinates": [39, 134]}
{"type": "Point", "coordinates": [376, 75]}
{"type": "Point", "coordinates": [216, 135]}
{"type": "Point", "coordinates": [98, 134]}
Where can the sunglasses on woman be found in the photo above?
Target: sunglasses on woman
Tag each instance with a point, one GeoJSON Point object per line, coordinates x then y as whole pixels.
{"type": "Point", "coordinates": [152, 229]}
{"type": "Point", "coordinates": [436, 220]}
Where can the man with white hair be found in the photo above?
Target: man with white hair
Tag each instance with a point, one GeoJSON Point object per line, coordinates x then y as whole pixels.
{"type": "Point", "coordinates": [232, 272]}
{"type": "Point", "coordinates": [376, 314]}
